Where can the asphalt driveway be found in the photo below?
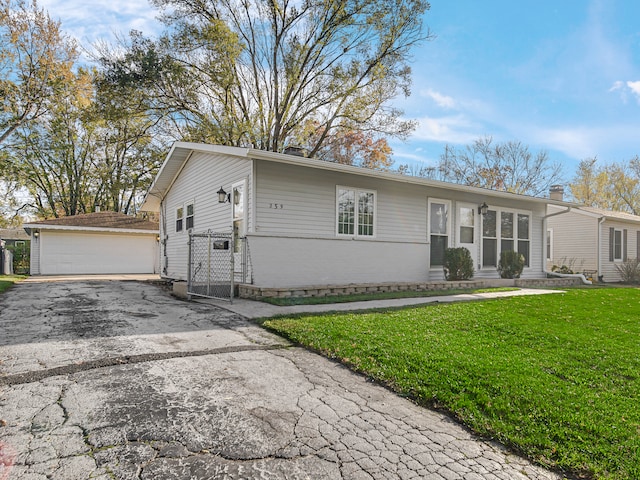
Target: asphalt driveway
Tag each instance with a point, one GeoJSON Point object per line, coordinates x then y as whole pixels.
{"type": "Point", "coordinates": [113, 379]}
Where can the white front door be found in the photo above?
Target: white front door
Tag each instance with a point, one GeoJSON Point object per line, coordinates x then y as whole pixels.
{"type": "Point", "coordinates": [467, 225]}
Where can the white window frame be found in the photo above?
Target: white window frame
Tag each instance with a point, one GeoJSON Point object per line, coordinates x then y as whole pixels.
{"type": "Point", "coordinates": [357, 192]}
{"type": "Point", "coordinates": [499, 238]}
{"type": "Point", "coordinates": [449, 233]}
{"type": "Point", "coordinates": [549, 245]}
{"type": "Point", "coordinates": [192, 204]}
{"type": "Point", "coordinates": [179, 218]}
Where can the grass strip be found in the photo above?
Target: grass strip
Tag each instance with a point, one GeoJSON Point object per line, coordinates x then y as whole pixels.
{"type": "Point", "coordinates": [555, 377]}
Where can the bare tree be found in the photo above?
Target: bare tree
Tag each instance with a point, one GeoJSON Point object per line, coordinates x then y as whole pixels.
{"type": "Point", "coordinates": [242, 72]}
{"type": "Point", "coordinates": [508, 166]}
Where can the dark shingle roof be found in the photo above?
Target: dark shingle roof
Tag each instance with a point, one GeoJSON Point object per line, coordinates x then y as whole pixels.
{"type": "Point", "coordinates": [100, 220]}
{"type": "Point", "coordinates": [13, 234]}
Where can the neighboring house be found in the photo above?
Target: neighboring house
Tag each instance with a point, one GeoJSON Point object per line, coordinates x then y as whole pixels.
{"type": "Point", "coordinates": [93, 243]}
{"type": "Point", "coordinates": [14, 251]}
{"type": "Point", "coordinates": [587, 238]}
{"type": "Point", "coordinates": [310, 222]}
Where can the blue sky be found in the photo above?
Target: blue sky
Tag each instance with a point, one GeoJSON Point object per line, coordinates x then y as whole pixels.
{"type": "Point", "coordinates": [557, 75]}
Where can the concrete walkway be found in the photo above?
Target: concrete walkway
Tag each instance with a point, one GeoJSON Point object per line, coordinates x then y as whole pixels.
{"type": "Point", "coordinates": [253, 309]}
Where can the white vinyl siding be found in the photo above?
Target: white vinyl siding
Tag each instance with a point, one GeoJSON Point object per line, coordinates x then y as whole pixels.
{"type": "Point", "coordinates": [197, 184]}
{"type": "Point", "coordinates": [575, 241]}
{"type": "Point", "coordinates": [301, 202]}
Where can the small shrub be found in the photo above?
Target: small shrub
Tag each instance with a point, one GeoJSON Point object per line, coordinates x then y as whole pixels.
{"type": "Point", "coordinates": [511, 264]}
{"type": "Point", "coordinates": [458, 264]}
{"type": "Point", "coordinates": [629, 270]}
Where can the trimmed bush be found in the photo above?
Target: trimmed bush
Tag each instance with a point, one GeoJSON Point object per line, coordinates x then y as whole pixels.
{"type": "Point", "coordinates": [511, 264]}
{"type": "Point", "coordinates": [458, 264]}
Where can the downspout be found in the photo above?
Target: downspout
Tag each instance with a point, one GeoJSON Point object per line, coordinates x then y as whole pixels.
{"type": "Point", "coordinates": [599, 252]}
{"type": "Point", "coordinates": [544, 254]}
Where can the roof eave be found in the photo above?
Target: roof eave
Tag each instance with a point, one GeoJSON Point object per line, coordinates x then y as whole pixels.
{"type": "Point", "coordinates": [38, 226]}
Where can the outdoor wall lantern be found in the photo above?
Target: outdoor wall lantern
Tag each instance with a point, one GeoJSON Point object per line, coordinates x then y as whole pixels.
{"type": "Point", "coordinates": [223, 197]}
{"type": "Point", "coordinates": [36, 234]}
{"type": "Point", "coordinates": [483, 209]}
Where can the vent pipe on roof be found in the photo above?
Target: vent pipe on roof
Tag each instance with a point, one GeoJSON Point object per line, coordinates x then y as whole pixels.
{"type": "Point", "coordinates": [556, 192]}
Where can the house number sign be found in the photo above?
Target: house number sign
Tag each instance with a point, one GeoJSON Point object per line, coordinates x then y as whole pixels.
{"type": "Point", "coordinates": [279, 206]}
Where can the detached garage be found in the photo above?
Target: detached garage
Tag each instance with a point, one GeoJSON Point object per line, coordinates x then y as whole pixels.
{"type": "Point", "coordinates": [94, 243]}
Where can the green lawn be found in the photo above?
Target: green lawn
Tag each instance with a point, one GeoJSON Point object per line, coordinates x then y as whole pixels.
{"type": "Point", "coordinates": [7, 281]}
{"type": "Point", "coordinates": [555, 377]}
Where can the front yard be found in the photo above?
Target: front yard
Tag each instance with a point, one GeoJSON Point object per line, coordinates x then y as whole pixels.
{"type": "Point", "coordinates": [555, 377]}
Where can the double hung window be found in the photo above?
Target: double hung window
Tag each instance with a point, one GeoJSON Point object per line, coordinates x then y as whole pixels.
{"type": "Point", "coordinates": [190, 215]}
{"type": "Point", "coordinates": [179, 219]}
{"type": "Point", "coordinates": [439, 226]}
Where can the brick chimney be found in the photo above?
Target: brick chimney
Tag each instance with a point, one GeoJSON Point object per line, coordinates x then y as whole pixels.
{"type": "Point", "coordinates": [556, 192]}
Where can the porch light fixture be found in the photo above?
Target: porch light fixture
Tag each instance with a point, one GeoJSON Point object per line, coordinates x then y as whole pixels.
{"type": "Point", "coordinates": [483, 209]}
{"type": "Point", "coordinates": [36, 233]}
{"type": "Point", "coordinates": [223, 197]}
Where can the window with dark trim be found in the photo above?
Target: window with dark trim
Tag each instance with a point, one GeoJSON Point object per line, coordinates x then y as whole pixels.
{"type": "Point", "coordinates": [617, 244]}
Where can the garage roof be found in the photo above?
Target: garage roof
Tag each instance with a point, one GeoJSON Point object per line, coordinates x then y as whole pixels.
{"type": "Point", "coordinates": [102, 221]}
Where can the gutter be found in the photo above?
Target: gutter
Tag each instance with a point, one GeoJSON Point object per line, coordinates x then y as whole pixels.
{"type": "Point", "coordinates": [544, 255]}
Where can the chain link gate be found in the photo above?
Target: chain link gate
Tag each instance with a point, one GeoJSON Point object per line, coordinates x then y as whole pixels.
{"type": "Point", "coordinates": [217, 262]}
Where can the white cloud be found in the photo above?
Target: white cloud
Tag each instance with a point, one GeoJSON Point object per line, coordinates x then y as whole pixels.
{"type": "Point", "coordinates": [635, 88]}
{"type": "Point", "coordinates": [443, 101]}
{"type": "Point", "coordinates": [448, 129]}
{"type": "Point", "coordinates": [626, 88]}
{"type": "Point", "coordinates": [611, 142]}
{"type": "Point", "coordinates": [102, 20]}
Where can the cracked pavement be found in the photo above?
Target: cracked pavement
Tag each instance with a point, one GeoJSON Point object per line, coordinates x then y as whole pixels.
{"type": "Point", "coordinates": [119, 380]}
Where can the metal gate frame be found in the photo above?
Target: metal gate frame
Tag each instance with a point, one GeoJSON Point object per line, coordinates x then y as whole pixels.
{"type": "Point", "coordinates": [211, 264]}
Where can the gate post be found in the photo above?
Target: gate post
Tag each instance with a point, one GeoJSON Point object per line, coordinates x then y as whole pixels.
{"type": "Point", "coordinates": [232, 285]}
{"type": "Point", "coordinates": [190, 259]}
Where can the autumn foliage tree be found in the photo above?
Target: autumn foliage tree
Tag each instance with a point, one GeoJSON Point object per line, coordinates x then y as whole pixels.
{"type": "Point", "coordinates": [614, 186]}
{"type": "Point", "coordinates": [36, 59]}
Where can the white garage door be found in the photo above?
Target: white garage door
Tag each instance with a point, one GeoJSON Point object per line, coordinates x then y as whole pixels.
{"type": "Point", "coordinates": [98, 253]}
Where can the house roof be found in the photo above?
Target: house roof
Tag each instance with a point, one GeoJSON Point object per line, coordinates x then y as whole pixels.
{"type": "Point", "coordinates": [13, 234]}
{"type": "Point", "coordinates": [608, 214]}
{"type": "Point", "coordinates": [181, 151]}
{"type": "Point", "coordinates": [625, 217]}
{"type": "Point", "coordinates": [98, 221]}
